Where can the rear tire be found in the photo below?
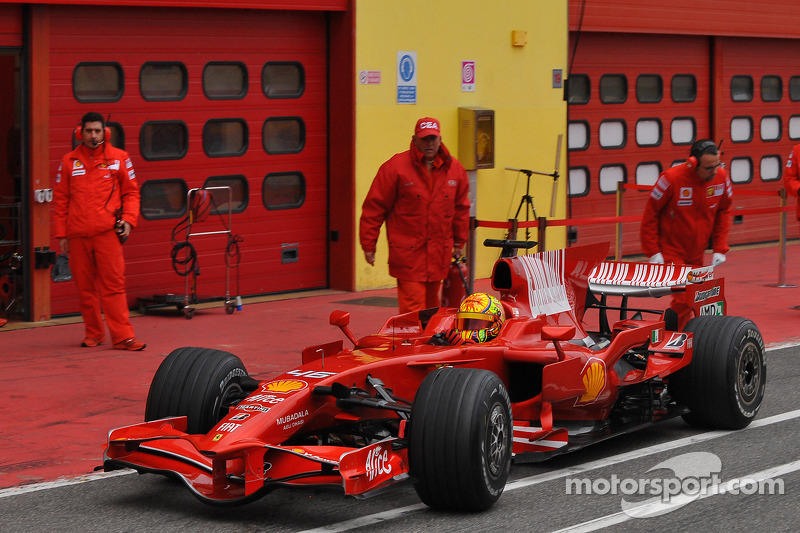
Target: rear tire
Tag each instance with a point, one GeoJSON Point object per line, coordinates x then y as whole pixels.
{"type": "Point", "coordinates": [460, 438]}
{"type": "Point", "coordinates": [723, 386]}
{"type": "Point", "coordinates": [199, 383]}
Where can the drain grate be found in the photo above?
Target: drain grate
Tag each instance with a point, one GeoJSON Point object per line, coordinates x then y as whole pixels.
{"type": "Point", "coordinates": [375, 301]}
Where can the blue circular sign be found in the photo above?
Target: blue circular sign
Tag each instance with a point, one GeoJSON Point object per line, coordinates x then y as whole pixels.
{"type": "Point", "coordinates": [406, 68]}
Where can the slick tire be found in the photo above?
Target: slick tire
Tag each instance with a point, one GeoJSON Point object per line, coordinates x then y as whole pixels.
{"type": "Point", "coordinates": [460, 438]}
{"type": "Point", "coordinates": [198, 383]}
{"type": "Point", "coordinates": [723, 386]}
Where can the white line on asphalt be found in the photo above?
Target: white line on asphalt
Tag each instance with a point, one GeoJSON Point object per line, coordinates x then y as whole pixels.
{"type": "Point", "coordinates": [95, 476]}
{"type": "Point", "coordinates": [394, 514]}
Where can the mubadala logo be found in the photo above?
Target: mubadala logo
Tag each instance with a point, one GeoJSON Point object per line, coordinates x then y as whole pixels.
{"type": "Point", "coordinates": [292, 420]}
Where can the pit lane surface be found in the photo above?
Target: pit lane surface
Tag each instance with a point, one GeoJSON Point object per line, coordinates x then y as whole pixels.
{"type": "Point", "coordinates": [537, 497]}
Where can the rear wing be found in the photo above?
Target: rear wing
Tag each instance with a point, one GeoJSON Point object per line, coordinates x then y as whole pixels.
{"type": "Point", "coordinates": [617, 278]}
{"type": "Point", "coordinates": [704, 294]}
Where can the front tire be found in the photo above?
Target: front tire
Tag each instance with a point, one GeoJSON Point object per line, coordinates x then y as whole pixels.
{"type": "Point", "coordinates": [199, 383]}
{"type": "Point", "coordinates": [460, 438]}
{"type": "Point", "coordinates": [723, 386]}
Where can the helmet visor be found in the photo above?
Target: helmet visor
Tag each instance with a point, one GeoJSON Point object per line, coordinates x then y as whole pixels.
{"type": "Point", "coordinates": [473, 321]}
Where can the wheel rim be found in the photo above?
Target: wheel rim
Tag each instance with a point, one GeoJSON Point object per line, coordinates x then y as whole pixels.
{"type": "Point", "coordinates": [749, 378]}
{"type": "Point", "coordinates": [497, 448]}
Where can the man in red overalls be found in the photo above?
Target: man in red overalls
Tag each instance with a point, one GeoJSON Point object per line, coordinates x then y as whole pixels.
{"type": "Point", "coordinates": [423, 195]}
{"type": "Point", "coordinates": [791, 178]}
{"type": "Point", "coordinates": [689, 204]}
{"type": "Point", "coordinates": [95, 205]}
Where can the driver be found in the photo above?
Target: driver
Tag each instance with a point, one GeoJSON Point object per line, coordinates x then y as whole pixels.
{"type": "Point", "coordinates": [479, 319]}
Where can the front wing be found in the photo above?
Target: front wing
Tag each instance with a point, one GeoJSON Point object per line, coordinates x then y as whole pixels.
{"type": "Point", "coordinates": [250, 468]}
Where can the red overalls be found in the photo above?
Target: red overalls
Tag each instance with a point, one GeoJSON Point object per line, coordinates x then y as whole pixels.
{"type": "Point", "coordinates": [92, 186]}
{"type": "Point", "coordinates": [682, 214]}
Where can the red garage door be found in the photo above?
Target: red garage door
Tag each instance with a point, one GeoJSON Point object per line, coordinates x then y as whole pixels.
{"type": "Point", "coordinates": [756, 100]}
{"type": "Point", "coordinates": [203, 97]}
{"type": "Point", "coordinates": [637, 102]}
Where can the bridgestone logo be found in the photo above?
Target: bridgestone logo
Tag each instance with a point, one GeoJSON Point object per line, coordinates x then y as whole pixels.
{"type": "Point", "coordinates": [705, 295]}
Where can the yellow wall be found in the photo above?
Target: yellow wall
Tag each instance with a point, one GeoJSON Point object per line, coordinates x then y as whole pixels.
{"type": "Point", "coordinates": [516, 82]}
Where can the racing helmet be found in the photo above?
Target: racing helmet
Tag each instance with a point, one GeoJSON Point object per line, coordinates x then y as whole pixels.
{"type": "Point", "coordinates": [479, 317]}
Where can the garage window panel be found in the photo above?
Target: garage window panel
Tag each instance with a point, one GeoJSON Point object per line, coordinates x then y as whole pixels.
{"type": "Point", "coordinates": [741, 170]}
{"type": "Point", "coordinates": [741, 129]}
{"type": "Point", "coordinates": [578, 135]}
{"type": "Point", "coordinates": [161, 140]}
{"type": "Point", "coordinates": [771, 168]}
{"type": "Point", "coordinates": [647, 173]}
{"type": "Point", "coordinates": [684, 88]}
{"type": "Point", "coordinates": [163, 81]}
{"type": "Point", "coordinates": [578, 181]}
{"type": "Point", "coordinates": [225, 137]}
{"type": "Point", "coordinates": [794, 88]}
{"type": "Point", "coordinates": [283, 190]}
{"type": "Point", "coordinates": [794, 127]}
{"type": "Point", "coordinates": [613, 134]}
{"type": "Point", "coordinates": [770, 128]}
{"type": "Point", "coordinates": [683, 130]}
{"type": "Point", "coordinates": [225, 80]}
{"type": "Point", "coordinates": [579, 89]}
{"type": "Point", "coordinates": [283, 135]}
{"type": "Point", "coordinates": [283, 79]}
{"type": "Point", "coordinates": [610, 176]}
{"type": "Point", "coordinates": [222, 200]}
{"type": "Point", "coordinates": [771, 88]}
{"type": "Point", "coordinates": [163, 199]}
{"type": "Point", "coordinates": [741, 88]}
{"type": "Point", "coordinates": [649, 88]}
{"type": "Point", "coordinates": [98, 82]}
{"type": "Point", "coordinates": [648, 132]}
{"type": "Point", "coordinates": [613, 89]}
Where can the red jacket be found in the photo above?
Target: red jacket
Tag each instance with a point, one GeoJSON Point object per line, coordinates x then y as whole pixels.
{"type": "Point", "coordinates": [683, 212]}
{"type": "Point", "coordinates": [426, 215]}
{"type": "Point", "coordinates": [790, 178]}
{"type": "Point", "coordinates": [91, 185]}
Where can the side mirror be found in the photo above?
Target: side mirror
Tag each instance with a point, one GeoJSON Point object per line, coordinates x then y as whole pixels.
{"type": "Point", "coordinates": [556, 334]}
{"type": "Point", "coordinates": [340, 319]}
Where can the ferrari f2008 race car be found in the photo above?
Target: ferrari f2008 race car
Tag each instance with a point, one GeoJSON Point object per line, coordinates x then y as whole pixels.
{"type": "Point", "coordinates": [407, 405]}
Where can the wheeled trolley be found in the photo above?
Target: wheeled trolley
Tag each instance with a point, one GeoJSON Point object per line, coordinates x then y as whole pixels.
{"type": "Point", "coordinates": [200, 202]}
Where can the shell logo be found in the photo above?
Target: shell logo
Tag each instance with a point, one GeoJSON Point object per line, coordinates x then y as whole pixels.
{"type": "Point", "coordinates": [594, 380]}
{"type": "Point", "coordinates": [284, 386]}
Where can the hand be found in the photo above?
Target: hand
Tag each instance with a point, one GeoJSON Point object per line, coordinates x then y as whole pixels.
{"type": "Point", "coordinates": [453, 338]}
{"type": "Point", "coordinates": [458, 253]}
{"type": "Point", "coordinates": [64, 245]}
{"type": "Point", "coordinates": [370, 257]}
{"type": "Point", "coordinates": [718, 259]}
{"type": "Point", "coordinates": [658, 259]}
{"type": "Point", "coordinates": [126, 229]}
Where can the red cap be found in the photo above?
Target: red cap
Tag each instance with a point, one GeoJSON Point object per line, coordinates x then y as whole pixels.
{"type": "Point", "coordinates": [427, 126]}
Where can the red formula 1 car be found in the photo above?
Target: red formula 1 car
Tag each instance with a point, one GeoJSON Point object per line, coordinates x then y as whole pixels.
{"type": "Point", "coordinates": [403, 405]}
